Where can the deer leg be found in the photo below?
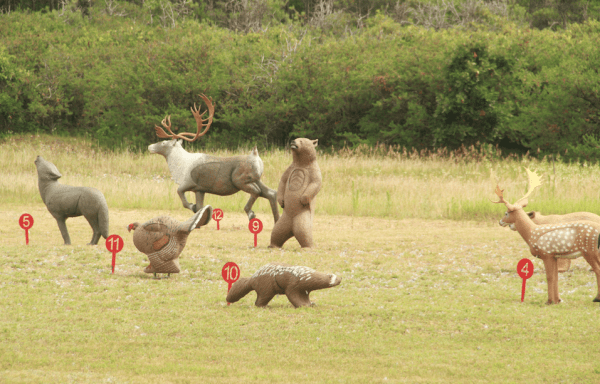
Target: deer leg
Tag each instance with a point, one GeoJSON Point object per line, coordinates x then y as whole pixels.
{"type": "Point", "coordinates": [199, 202]}
{"type": "Point", "coordinates": [248, 207]}
{"type": "Point", "coordinates": [254, 191]}
{"type": "Point", "coordinates": [593, 260]}
{"type": "Point", "coordinates": [552, 278]}
{"type": "Point", "coordinates": [597, 298]}
{"type": "Point", "coordinates": [181, 192]}
{"type": "Point", "coordinates": [270, 195]}
{"type": "Point", "coordinates": [595, 264]}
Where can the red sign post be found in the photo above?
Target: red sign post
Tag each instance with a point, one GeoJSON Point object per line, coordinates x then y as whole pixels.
{"type": "Point", "coordinates": [525, 270]}
{"type": "Point", "coordinates": [255, 226]}
{"type": "Point", "coordinates": [114, 243]}
{"type": "Point", "coordinates": [230, 273]}
{"type": "Point", "coordinates": [217, 216]}
{"type": "Point", "coordinates": [26, 222]}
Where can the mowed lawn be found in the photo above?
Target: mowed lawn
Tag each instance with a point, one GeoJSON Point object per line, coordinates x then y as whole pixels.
{"type": "Point", "coordinates": [432, 301]}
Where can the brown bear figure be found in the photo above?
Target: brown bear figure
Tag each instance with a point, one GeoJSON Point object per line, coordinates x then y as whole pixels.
{"type": "Point", "coordinates": [295, 282]}
{"type": "Point", "coordinates": [296, 194]}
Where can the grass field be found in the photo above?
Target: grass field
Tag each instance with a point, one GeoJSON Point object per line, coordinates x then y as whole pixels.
{"type": "Point", "coordinates": [422, 299]}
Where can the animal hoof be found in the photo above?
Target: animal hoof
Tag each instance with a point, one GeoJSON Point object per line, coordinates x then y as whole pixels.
{"type": "Point", "coordinates": [251, 215]}
{"type": "Point", "coordinates": [596, 300]}
{"type": "Point", "coordinates": [194, 208]}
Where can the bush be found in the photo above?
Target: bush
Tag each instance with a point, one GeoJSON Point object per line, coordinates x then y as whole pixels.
{"type": "Point", "coordinates": [112, 79]}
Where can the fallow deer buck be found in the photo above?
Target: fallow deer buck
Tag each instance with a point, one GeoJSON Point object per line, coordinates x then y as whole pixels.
{"type": "Point", "coordinates": [202, 173]}
{"type": "Point", "coordinates": [552, 241]}
{"type": "Point", "coordinates": [538, 218]}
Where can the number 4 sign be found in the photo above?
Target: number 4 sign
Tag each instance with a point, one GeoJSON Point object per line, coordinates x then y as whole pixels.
{"type": "Point", "coordinates": [525, 270]}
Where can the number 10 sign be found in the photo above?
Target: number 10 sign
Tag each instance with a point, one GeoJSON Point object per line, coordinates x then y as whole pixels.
{"type": "Point", "coordinates": [230, 273]}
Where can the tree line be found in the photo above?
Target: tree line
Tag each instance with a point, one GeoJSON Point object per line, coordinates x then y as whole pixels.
{"type": "Point", "coordinates": [414, 75]}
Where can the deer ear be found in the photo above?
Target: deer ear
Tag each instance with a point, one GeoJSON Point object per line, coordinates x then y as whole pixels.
{"type": "Point", "coordinates": [315, 142]}
{"type": "Point", "coordinates": [523, 203]}
{"type": "Point", "coordinates": [531, 215]}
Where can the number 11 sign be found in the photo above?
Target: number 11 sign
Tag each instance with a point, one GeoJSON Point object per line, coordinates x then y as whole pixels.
{"type": "Point", "coordinates": [525, 270]}
{"type": "Point", "coordinates": [114, 243]}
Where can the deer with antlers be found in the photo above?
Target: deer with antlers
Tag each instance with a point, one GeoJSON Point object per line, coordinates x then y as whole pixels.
{"type": "Point", "coordinates": [550, 242]}
{"type": "Point", "coordinates": [538, 218]}
{"type": "Point", "coordinates": [202, 173]}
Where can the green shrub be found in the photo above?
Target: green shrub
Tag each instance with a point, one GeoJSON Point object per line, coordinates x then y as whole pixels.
{"type": "Point", "coordinates": [113, 78]}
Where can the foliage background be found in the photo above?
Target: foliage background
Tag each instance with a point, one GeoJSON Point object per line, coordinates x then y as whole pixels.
{"type": "Point", "coordinates": [414, 75]}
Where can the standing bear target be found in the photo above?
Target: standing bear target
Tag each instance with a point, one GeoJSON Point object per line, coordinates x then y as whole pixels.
{"type": "Point", "coordinates": [296, 194]}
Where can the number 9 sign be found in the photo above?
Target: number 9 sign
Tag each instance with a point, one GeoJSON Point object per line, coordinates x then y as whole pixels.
{"type": "Point", "coordinates": [525, 271]}
{"type": "Point", "coordinates": [255, 226]}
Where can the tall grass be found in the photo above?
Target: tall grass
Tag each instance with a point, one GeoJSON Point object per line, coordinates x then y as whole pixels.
{"type": "Point", "coordinates": [378, 182]}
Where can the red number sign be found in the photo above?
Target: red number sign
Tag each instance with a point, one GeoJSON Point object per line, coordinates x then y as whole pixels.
{"type": "Point", "coordinates": [525, 270]}
{"type": "Point", "coordinates": [230, 273]}
{"type": "Point", "coordinates": [26, 222]}
{"type": "Point", "coordinates": [114, 243]}
{"type": "Point", "coordinates": [217, 216]}
{"type": "Point", "coordinates": [255, 226]}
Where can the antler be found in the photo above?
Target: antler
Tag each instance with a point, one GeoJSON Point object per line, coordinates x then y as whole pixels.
{"type": "Point", "coordinates": [534, 182]}
{"type": "Point", "coordinates": [160, 132]}
{"type": "Point", "coordinates": [188, 136]}
{"type": "Point", "coordinates": [500, 193]}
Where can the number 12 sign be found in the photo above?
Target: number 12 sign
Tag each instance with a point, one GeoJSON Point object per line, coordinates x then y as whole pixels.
{"type": "Point", "coordinates": [217, 216]}
{"type": "Point", "coordinates": [525, 270]}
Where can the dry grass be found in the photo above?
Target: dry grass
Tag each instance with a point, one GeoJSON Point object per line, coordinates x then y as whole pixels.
{"type": "Point", "coordinates": [420, 301]}
{"type": "Point", "coordinates": [380, 183]}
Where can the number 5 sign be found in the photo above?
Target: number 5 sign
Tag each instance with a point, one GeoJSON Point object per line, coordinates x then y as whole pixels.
{"type": "Point", "coordinates": [114, 243]}
{"type": "Point", "coordinates": [525, 270]}
{"type": "Point", "coordinates": [26, 222]}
